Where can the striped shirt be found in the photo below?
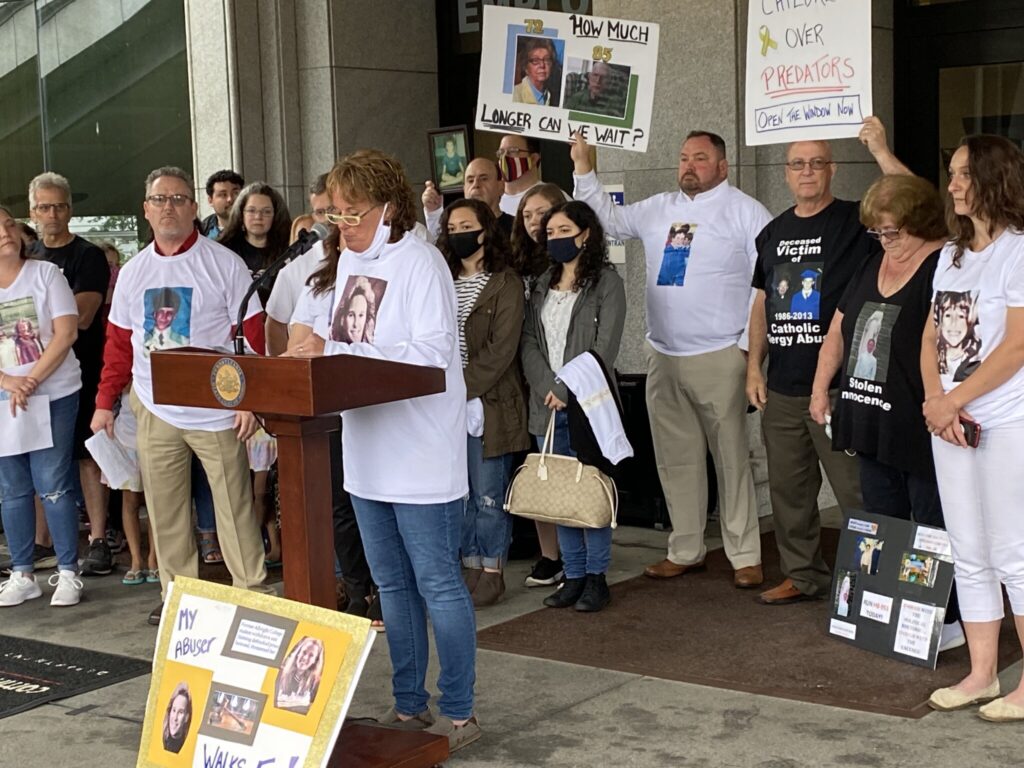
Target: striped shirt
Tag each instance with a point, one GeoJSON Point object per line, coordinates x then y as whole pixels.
{"type": "Point", "coordinates": [467, 291]}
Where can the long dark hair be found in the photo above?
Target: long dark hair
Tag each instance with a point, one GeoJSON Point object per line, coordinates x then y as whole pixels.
{"type": "Point", "coordinates": [996, 166]}
{"type": "Point", "coordinates": [529, 258]}
{"type": "Point", "coordinates": [280, 225]}
{"type": "Point", "coordinates": [496, 248]}
{"type": "Point", "coordinates": [594, 256]}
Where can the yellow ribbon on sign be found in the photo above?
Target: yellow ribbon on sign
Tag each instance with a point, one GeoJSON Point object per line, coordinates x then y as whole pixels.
{"type": "Point", "coordinates": [766, 40]}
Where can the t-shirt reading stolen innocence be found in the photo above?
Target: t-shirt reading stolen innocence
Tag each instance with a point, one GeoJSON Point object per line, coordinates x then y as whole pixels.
{"type": "Point", "coordinates": [803, 266]}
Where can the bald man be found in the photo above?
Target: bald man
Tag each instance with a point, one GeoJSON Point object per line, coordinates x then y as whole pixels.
{"type": "Point", "coordinates": [482, 183]}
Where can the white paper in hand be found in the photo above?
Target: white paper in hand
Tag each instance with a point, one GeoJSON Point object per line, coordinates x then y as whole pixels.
{"type": "Point", "coordinates": [29, 430]}
{"type": "Point", "coordinates": [115, 462]}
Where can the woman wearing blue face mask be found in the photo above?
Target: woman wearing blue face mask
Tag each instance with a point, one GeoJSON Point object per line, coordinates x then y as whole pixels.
{"type": "Point", "coordinates": [577, 305]}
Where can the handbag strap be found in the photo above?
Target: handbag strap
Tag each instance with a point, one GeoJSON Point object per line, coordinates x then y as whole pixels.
{"type": "Point", "coordinates": [549, 438]}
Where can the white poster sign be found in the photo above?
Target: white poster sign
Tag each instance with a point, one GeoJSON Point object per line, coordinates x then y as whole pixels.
{"type": "Point", "coordinates": [549, 75]}
{"type": "Point", "coordinates": [916, 628]}
{"type": "Point", "coordinates": [808, 70]}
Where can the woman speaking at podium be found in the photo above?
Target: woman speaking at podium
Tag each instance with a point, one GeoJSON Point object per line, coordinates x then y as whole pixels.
{"type": "Point", "coordinates": [405, 462]}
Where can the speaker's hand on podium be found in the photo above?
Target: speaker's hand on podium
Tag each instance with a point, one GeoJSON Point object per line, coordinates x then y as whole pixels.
{"type": "Point", "coordinates": [245, 425]}
{"type": "Point", "coordinates": [312, 346]}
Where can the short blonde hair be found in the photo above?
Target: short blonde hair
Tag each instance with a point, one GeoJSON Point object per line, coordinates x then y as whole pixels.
{"type": "Point", "coordinates": [375, 177]}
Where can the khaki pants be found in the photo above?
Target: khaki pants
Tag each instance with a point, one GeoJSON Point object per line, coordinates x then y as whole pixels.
{"type": "Point", "coordinates": [695, 403]}
{"type": "Point", "coordinates": [165, 456]}
{"type": "Point", "coordinates": [794, 445]}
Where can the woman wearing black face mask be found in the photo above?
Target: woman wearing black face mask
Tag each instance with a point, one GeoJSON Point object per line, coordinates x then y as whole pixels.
{"type": "Point", "coordinates": [490, 316]}
{"type": "Point", "coordinates": [578, 305]}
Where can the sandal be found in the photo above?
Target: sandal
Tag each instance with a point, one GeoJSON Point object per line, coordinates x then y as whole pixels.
{"type": "Point", "coordinates": [209, 547]}
{"type": "Point", "coordinates": [152, 576]}
{"type": "Point", "coordinates": [367, 607]}
{"type": "Point", "coordinates": [134, 578]}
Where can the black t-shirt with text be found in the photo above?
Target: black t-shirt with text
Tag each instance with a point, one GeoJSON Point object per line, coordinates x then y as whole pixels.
{"type": "Point", "coordinates": [803, 265]}
{"type": "Point", "coordinates": [85, 267]}
{"type": "Point", "coordinates": [880, 395]}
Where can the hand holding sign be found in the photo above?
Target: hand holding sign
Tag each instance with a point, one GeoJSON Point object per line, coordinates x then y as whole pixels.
{"type": "Point", "coordinates": [431, 198]}
{"type": "Point", "coordinates": [580, 154]}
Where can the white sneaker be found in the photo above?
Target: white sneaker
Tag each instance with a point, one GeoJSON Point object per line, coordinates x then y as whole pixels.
{"type": "Point", "coordinates": [69, 588]}
{"type": "Point", "coordinates": [19, 588]}
{"type": "Point", "coordinates": [952, 636]}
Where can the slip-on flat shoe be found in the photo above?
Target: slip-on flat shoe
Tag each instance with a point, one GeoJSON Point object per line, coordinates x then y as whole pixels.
{"type": "Point", "coordinates": [749, 577]}
{"type": "Point", "coordinates": [154, 616]}
{"type": "Point", "coordinates": [1001, 711]}
{"type": "Point", "coordinates": [666, 569]}
{"type": "Point", "coordinates": [950, 699]}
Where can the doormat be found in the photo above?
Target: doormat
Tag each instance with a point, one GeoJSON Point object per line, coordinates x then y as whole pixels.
{"type": "Point", "coordinates": [699, 628]}
{"type": "Point", "coordinates": [34, 673]}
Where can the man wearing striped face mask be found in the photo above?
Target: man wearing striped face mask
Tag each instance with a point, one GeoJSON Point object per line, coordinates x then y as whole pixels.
{"type": "Point", "coordinates": [518, 160]}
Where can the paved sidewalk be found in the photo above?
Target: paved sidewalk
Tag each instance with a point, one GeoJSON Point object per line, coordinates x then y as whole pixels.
{"type": "Point", "coordinates": [533, 712]}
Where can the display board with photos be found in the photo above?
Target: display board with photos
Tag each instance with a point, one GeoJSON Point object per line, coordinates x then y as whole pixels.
{"type": "Point", "coordinates": [890, 587]}
{"type": "Point", "coordinates": [551, 75]}
{"type": "Point", "coordinates": [247, 679]}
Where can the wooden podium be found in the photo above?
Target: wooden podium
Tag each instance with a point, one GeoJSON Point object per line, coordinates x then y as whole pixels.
{"type": "Point", "coordinates": [298, 399]}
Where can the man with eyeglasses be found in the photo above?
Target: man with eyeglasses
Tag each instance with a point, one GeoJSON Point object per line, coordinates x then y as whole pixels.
{"type": "Point", "coordinates": [538, 82]}
{"type": "Point", "coordinates": [222, 190]}
{"type": "Point", "coordinates": [818, 244]}
{"type": "Point", "coordinates": [292, 279]}
{"type": "Point", "coordinates": [86, 269]}
{"type": "Point", "coordinates": [191, 286]}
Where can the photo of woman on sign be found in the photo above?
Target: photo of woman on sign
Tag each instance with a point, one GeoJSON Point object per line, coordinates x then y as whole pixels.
{"type": "Point", "coordinates": [177, 718]}
{"type": "Point", "coordinates": [297, 685]}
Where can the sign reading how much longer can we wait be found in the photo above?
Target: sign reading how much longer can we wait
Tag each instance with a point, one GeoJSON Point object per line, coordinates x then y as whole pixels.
{"type": "Point", "coordinates": [808, 69]}
{"type": "Point", "coordinates": [551, 75]}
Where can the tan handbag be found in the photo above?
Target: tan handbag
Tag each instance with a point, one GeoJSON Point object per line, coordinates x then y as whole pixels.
{"type": "Point", "coordinates": [562, 490]}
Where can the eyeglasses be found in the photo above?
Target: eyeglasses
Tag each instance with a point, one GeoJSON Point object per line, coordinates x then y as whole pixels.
{"type": "Point", "coordinates": [351, 219]}
{"type": "Point", "coordinates": [324, 211]}
{"type": "Point", "coordinates": [159, 201]}
{"type": "Point", "coordinates": [47, 207]}
{"type": "Point", "coordinates": [512, 151]}
{"type": "Point", "coordinates": [258, 212]}
{"type": "Point", "coordinates": [816, 163]}
{"type": "Point", "coordinates": [544, 62]}
{"type": "Point", "coordinates": [885, 234]}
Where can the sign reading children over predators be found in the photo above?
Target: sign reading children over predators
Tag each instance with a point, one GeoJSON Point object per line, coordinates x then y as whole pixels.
{"type": "Point", "coordinates": [245, 680]}
{"type": "Point", "coordinates": [808, 69]}
{"type": "Point", "coordinates": [550, 75]}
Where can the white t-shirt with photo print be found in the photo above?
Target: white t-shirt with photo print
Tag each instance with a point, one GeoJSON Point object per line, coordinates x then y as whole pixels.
{"type": "Point", "coordinates": [201, 290]}
{"type": "Point", "coordinates": [410, 451]}
{"type": "Point", "coordinates": [27, 309]}
{"type": "Point", "coordinates": [970, 315]}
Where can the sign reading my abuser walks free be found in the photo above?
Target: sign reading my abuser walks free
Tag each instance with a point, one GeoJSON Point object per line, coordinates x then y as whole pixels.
{"type": "Point", "coordinates": [550, 75]}
{"type": "Point", "coordinates": [808, 69]}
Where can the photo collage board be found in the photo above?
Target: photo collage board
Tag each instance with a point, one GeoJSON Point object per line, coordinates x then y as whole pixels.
{"type": "Point", "coordinates": [242, 678]}
{"type": "Point", "coordinates": [890, 587]}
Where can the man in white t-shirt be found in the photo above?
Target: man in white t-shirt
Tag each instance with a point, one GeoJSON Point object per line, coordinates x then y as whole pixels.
{"type": "Point", "coordinates": [698, 303]}
{"type": "Point", "coordinates": [207, 282]}
{"type": "Point", "coordinates": [519, 165]}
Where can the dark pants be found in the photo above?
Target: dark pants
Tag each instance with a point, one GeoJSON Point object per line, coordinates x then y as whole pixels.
{"type": "Point", "coordinates": [907, 496]}
{"type": "Point", "coordinates": [348, 545]}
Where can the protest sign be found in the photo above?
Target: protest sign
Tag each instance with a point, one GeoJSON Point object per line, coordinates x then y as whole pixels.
{"type": "Point", "coordinates": [549, 75]}
{"type": "Point", "coordinates": [241, 678]}
{"type": "Point", "coordinates": [808, 69]}
{"type": "Point", "coordinates": [890, 588]}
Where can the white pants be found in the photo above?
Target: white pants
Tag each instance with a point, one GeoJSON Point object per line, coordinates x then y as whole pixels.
{"type": "Point", "coordinates": [982, 491]}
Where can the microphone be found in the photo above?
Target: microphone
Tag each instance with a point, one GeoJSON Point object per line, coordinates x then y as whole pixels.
{"type": "Point", "coordinates": [305, 241]}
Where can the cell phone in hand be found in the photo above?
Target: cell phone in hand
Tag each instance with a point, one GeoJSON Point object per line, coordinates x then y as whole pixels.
{"type": "Point", "coordinates": [972, 432]}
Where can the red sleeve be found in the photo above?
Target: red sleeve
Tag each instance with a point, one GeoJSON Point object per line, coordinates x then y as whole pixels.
{"type": "Point", "coordinates": [117, 366]}
{"type": "Point", "coordinates": [255, 332]}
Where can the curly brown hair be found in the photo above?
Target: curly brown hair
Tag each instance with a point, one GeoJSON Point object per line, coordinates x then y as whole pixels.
{"type": "Point", "coordinates": [529, 259]}
{"type": "Point", "coordinates": [496, 248]}
{"type": "Point", "coordinates": [912, 202]}
{"type": "Point", "coordinates": [372, 176]}
{"type": "Point", "coordinates": [322, 279]}
{"type": "Point", "coordinates": [996, 166]}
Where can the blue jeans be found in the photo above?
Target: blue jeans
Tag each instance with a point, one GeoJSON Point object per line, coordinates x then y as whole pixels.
{"type": "Point", "coordinates": [206, 522]}
{"type": "Point", "coordinates": [413, 552]}
{"type": "Point", "coordinates": [584, 550]}
{"type": "Point", "coordinates": [50, 473]}
{"type": "Point", "coordinates": [486, 526]}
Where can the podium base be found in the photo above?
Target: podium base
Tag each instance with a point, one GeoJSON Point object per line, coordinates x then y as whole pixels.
{"type": "Point", "coordinates": [370, 746]}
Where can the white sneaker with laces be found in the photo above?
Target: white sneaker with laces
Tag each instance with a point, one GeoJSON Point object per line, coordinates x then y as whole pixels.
{"type": "Point", "coordinates": [69, 588]}
{"type": "Point", "coordinates": [952, 636]}
{"type": "Point", "coordinates": [19, 588]}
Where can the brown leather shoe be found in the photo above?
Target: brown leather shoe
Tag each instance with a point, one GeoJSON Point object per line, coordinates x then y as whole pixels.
{"type": "Point", "coordinates": [489, 589]}
{"type": "Point", "coordinates": [784, 593]}
{"type": "Point", "coordinates": [666, 569]}
{"type": "Point", "coordinates": [746, 578]}
{"type": "Point", "coordinates": [471, 576]}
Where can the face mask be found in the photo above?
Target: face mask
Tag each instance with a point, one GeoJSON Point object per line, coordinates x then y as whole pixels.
{"type": "Point", "coordinates": [563, 249]}
{"type": "Point", "coordinates": [464, 244]}
{"type": "Point", "coordinates": [511, 168]}
{"type": "Point", "coordinates": [380, 238]}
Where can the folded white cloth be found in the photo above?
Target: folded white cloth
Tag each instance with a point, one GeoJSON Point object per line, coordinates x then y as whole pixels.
{"type": "Point", "coordinates": [475, 417]}
{"type": "Point", "coordinates": [584, 376]}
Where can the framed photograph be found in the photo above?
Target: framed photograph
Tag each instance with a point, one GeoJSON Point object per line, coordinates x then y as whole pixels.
{"type": "Point", "coordinates": [449, 156]}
